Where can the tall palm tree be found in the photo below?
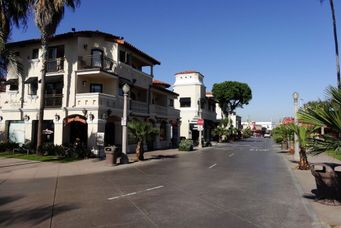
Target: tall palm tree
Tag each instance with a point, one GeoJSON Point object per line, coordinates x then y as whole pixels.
{"type": "Point", "coordinates": [48, 15]}
{"type": "Point", "coordinates": [331, 2]}
{"type": "Point", "coordinates": [12, 13]}
{"type": "Point", "coordinates": [141, 131]}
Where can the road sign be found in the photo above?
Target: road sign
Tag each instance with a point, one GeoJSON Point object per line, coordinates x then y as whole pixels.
{"type": "Point", "coordinates": [200, 122]}
{"type": "Point", "coordinates": [200, 127]}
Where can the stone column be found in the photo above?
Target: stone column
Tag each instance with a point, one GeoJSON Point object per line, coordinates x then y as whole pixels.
{"type": "Point", "coordinates": [157, 137]}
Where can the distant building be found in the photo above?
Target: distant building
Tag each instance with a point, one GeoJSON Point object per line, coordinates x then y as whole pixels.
{"type": "Point", "coordinates": [258, 125]}
{"type": "Point", "coordinates": [192, 95]}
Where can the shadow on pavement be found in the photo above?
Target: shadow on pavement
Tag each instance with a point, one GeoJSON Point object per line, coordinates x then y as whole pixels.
{"type": "Point", "coordinates": [8, 199]}
{"type": "Point", "coordinates": [35, 215]}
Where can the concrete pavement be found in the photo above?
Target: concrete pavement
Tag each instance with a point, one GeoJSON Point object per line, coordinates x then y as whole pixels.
{"type": "Point", "coordinates": [330, 216]}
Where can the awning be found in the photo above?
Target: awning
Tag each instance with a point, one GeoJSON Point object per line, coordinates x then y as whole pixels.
{"type": "Point", "coordinates": [31, 80]}
{"type": "Point", "coordinates": [11, 82]}
{"type": "Point", "coordinates": [51, 79]}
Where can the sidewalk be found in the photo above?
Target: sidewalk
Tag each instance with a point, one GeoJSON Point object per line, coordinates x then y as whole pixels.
{"type": "Point", "coordinates": [330, 216]}
{"type": "Point", "coordinates": [11, 168]}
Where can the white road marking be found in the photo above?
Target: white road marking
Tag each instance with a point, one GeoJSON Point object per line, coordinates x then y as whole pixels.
{"type": "Point", "coordinates": [212, 165]}
{"type": "Point", "coordinates": [149, 189]}
{"type": "Point", "coordinates": [134, 193]}
{"type": "Point", "coordinates": [231, 155]}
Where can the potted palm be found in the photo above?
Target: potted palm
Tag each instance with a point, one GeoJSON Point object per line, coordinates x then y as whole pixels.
{"type": "Point", "coordinates": [141, 131]}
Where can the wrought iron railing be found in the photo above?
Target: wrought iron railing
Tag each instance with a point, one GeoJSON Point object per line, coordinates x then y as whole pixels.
{"type": "Point", "coordinates": [53, 100]}
{"type": "Point", "coordinates": [55, 65]}
{"type": "Point", "coordinates": [95, 61]}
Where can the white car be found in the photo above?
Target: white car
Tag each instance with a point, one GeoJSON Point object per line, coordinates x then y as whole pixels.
{"type": "Point", "coordinates": [267, 135]}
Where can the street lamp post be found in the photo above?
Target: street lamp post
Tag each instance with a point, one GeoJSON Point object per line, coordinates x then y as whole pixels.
{"type": "Point", "coordinates": [200, 128]}
{"type": "Point", "coordinates": [295, 95]}
{"type": "Point", "coordinates": [124, 157]}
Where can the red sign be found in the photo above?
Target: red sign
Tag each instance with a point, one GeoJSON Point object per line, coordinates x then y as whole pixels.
{"type": "Point", "coordinates": [200, 122]}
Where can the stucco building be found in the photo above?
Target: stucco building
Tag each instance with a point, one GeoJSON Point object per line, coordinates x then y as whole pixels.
{"type": "Point", "coordinates": [193, 103]}
{"type": "Point", "coordinates": [83, 91]}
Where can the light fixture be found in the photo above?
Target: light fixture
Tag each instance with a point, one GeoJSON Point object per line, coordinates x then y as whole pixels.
{"type": "Point", "coordinates": [84, 111]}
{"type": "Point", "coordinates": [91, 116]}
{"type": "Point", "coordinates": [295, 95]}
{"type": "Point", "coordinates": [1, 118]}
{"type": "Point", "coordinates": [126, 88]}
{"type": "Point", "coordinates": [84, 83]}
{"type": "Point", "coordinates": [104, 116]}
{"type": "Point", "coordinates": [85, 46]}
{"type": "Point", "coordinates": [56, 117]}
{"type": "Point", "coordinates": [26, 118]}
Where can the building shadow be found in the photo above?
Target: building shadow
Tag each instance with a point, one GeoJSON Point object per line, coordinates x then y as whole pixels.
{"type": "Point", "coordinates": [9, 199]}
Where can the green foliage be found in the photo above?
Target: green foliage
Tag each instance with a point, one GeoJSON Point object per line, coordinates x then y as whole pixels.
{"type": "Point", "coordinates": [246, 133]}
{"type": "Point", "coordinates": [64, 151]}
{"type": "Point", "coordinates": [142, 130]}
{"type": "Point", "coordinates": [282, 134]}
{"type": "Point", "coordinates": [8, 146]}
{"type": "Point", "coordinates": [327, 115]}
{"type": "Point", "coordinates": [231, 95]}
{"type": "Point", "coordinates": [186, 145]}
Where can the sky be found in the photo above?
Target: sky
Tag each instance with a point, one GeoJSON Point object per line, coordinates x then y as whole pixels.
{"type": "Point", "coordinates": [277, 47]}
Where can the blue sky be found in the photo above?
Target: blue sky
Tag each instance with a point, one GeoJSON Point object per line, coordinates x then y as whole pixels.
{"type": "Point", "coordinates": [275, 46]}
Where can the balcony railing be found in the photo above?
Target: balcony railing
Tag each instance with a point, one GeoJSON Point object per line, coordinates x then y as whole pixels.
{"type": "Point", "coordinates": [138, 106]}
{"type": "Point", "coordinates": [55, 65]}
{"type": "Point", "coordinates": [95, 61]}
{"type": "Point", "coordinates": [96, 100]}
{"type": "Point", "coordinates": [164, 110]}
{"type": "Point", "coordinates": [53, 100]}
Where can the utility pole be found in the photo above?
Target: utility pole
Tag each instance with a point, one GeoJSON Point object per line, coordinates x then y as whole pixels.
{"type": "Point", "coordinates": [297, 149]}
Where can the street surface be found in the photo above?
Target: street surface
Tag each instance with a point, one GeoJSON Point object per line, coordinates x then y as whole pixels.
{"type": "Point", "coordinates": [241, 184]}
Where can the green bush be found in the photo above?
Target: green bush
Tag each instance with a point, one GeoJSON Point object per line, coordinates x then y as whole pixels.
{"type": "Point", "coordinates": [186, 145]}
{"type": "Point", "coordinates": [8, 146]}
{"type": "Point", "coordinates": [52, 150]}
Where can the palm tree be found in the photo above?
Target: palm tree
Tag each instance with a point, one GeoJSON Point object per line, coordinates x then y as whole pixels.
{"type": "Point", "coordinates": [142, 131]}
{"type": "Point", "coordinates": [12, 13]}
{"type": "Point", "coordinates": [303, 134]}
{"type": "Point", "coordinates": [327, 115]}
{"type": "Point", "coordinates": [331, 2]}
{"type": "Point", "coordinates": [48, 15]}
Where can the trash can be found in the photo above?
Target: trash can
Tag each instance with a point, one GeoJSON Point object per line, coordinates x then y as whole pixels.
{"type": "Point", "coordinates": [328, 181]}
{"type": "Point", "coordinates": [111, 154]}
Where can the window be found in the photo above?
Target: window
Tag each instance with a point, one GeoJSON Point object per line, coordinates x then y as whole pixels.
{"type": "Point", "coordinates": [13, 84]}
{"type": "Point", "coordinates": [97, 58]}
{"type": "Point", "coordinates": [32, 85]}
{"type": "Point", "coordinates": [171, 102]}
{"type": "Point", "coordinates": [185, 102]}
{"type": "Point", "coordinates": [122, 56]}
{"type": "Point", "coordinates": [35, 53]}
{"type": "Point", "coordinates": [96, 88]}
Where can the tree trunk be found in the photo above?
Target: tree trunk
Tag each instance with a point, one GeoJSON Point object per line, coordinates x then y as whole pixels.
{"type": "Point", "coordinates": [42, 91]}
{"type": "Point", "coordinates": [139, 151]}
{"type": "Point", "coordinates": [336, 43]}
{"type": "Point", "coordinates": [303, 163]}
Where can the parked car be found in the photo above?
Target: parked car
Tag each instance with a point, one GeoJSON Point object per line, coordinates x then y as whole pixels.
{"type": "Point", "coordinates": [267, 135]}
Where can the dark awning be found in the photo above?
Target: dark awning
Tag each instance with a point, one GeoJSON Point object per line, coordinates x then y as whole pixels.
{"type": "Point", "coordinates": [31, 80]}
{"type": "Point", "coordinates": [11, 82]}
{"type": "Point", "coordinates": [51, 79]}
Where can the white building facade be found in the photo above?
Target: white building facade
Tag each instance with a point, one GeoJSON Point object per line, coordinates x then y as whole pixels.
{"type": "Point", "coordinates": [86, 71]}
{"type": "Point", "coordinates": [194, 104]}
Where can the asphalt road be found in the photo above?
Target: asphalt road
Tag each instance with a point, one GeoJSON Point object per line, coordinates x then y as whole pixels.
{"type": "Point", "coordinates": [243, 184]}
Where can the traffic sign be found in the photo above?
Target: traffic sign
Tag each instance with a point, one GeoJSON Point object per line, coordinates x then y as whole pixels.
{"type": "Point", "coordinates": [200, 122]}
{"type": "Point", "coordinates": [200, 127]}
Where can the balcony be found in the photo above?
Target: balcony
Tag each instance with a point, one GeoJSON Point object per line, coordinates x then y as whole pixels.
{"type": "Point", "coordinates": [164, 111]}
{"type": "Point", "coordinates": [97, 100]}
{"type": "Point", "coordinates": [53, 100]}
{"type": "Point", "coordinates": [138, 106]}
{"type": "Point", "coordinates": [55, 65]}
{"type": "Point", "coordinates": [94, 62]}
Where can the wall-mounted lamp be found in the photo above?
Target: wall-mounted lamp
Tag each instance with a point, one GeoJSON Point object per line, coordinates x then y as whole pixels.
{"type": "Point", "coordinates": [104, 116]}
{"type": "Point", "coordinates": [84, 83]}
{"type": "Point", "coordinates": [91, 116]}
{"type": "Point", "coordinates": [56, 117]}
{"type": "Point", "coordinates": [1, 118]}
{"type": "Point", "coordinates": [26, 118]}
{"type": "Point", "coordinates": [109, 112]}
{"type": "Point", "coordinates": [85, 46]}
{"type": "Point", "coordinates": [84, 111]}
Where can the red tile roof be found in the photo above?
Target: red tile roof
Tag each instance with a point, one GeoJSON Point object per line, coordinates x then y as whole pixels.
{"type": "Point", "coordinates": [160, 83]}
{"type": "Point", "coordinates": [188, 72]}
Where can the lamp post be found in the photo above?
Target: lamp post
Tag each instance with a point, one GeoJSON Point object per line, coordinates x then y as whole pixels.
{"type": "Point", "coordinates": [200, 128]}
{"type": "Point", "coordinates": [124, 158]}
{"type": "Point", "coordinates": [295, 95]}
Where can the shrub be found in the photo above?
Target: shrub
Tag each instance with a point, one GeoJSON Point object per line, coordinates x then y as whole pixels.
{"type": "Point", "coordinates": [8, 146]}
{"type": "Point", "coordinates": [186, 145]}
{"type": "Point", "coordinates": [51, 149]}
